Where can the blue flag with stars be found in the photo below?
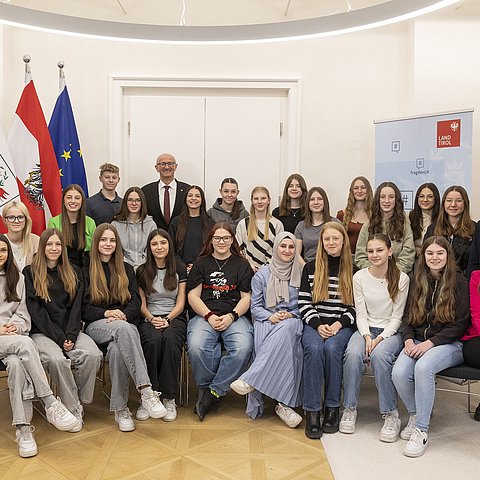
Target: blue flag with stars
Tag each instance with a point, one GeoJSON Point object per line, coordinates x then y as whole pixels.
{"type": "Point", "coordinates": [66, 144]}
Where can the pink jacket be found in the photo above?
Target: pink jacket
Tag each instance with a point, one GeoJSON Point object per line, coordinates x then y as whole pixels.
{"type": "Point", "coordinates": [473, 329]}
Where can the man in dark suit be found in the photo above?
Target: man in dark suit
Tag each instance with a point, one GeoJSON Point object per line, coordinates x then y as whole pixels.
{"type": "Point", "coordinates": [166, 196]}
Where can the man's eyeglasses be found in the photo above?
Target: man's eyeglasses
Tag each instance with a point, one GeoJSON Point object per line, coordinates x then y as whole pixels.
{"type": "Point", "coordinates": [166, 164]}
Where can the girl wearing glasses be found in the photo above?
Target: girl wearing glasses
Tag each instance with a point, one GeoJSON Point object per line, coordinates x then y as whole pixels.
{"type": "Point", "coordinates": [388, 217]}
{"type": "Point", "coordinates": [23, 242]}
{"type": "Point", "coordinates": [256, 234]}
{"type": "Point", "coordinates": [54, 301]}
{"type": "Point", "coordinates": [219, 294]}
{"type": "Point", "coordinates": [162, 281]}
{"type": "Point", "coordinates": [190, 229]}
{"type": "Point", "coordinates": [26, 376]}
{"type": "Point", "coordinates": [111, 312]}
{"type": "Point", "coordinates": [426, 208]}
{"type": "Point", "coordinates": [455, 224]}
{"type": "Point", "coordinates": [76, 226]}
{"type": "Point", "coordinates": [133, 226]}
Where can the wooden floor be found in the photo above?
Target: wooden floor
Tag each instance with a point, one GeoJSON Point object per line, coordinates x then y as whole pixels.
{"type": "Point", "coordinates": [226, 445]}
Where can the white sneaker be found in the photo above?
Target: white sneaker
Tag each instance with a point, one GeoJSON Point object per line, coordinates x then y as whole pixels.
{"type": "Point", "coordinates": [289, 416]}
{"type": "Point", "coordinates": [391, 428]}
{"type": "Point", "coordinates": [241, 387]}
{"type": "Point", "coordinates": [406, 433]}
{"type": "Point", "coordinates": [79, 416]}
{"type": "Point", "coordinates": [171, 408]}
{"type": "Point", "coordinates": [152, 404]}
{"type": "Point", "coordinates": [142, 413]}
{"type": "Point", "coordinates": [58, 415]}
{"type": "Point", "coordinates": [27, 447]}
{"type": "Point", "coordinates": [348, 420]}
{"type": "Point", "coordinates": [417, 444]}
{"type": "Point", "coordinates": [124, 419]}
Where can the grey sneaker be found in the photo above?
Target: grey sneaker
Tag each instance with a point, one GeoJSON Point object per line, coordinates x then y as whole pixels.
{"type": "Point", "coordinates": [417, 444]}
{"type": "Point", "coordinates": [288, 415]}
{"type": "Point", "coordinates": [348, 420]}
{"type": "Point", "coordinates": [406, 433]}
{"type": "Point", "coordinates": [142, 413]}
{"type": "Point", "coordinates": [171, 407]}
{"type": "Point", "coordinates": [124, 419]}
{"type": "Point", "coordinates": [391, 428]}
{"type": "Point", "coordinates": [27, 447]}
{"type": "Point", "coordinates": [58, 415]}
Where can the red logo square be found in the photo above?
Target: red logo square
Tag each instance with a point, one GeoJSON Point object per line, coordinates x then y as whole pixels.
{"type": "Point", "coordinates": [448, 133]}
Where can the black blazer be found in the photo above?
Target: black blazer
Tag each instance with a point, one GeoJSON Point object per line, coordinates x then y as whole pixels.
{"type": "Point", "coordinates": [153, 203]}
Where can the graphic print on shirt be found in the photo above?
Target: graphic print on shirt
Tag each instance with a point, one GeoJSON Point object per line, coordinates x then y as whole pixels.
{"type": "Point", "coordinates": [218, 283]}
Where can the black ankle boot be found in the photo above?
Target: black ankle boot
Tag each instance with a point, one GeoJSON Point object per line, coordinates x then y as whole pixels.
{"type": "Point", "coordinates": [476, 415]}
{"type": "Point", "coordinates": [204, 403]}
{"type": "Point", "coordinates": [331, 419]}
{"type": "Point", "coordinates": [313, 429]}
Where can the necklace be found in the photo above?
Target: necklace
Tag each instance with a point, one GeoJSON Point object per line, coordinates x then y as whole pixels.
{"type": "Point", "coordinates": [222, 265]}
{"type": "Point", "coordinates": [295, 211]}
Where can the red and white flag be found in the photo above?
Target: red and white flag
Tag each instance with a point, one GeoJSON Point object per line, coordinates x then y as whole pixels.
{"type": "Point", "coordinates": [34, 160]}
{"type": "Point", "coordinates": [8, 181]}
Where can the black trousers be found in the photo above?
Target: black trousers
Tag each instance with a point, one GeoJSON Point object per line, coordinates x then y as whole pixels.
{"type": "Point", "coordinates": [163, 351]}
{"type": "Point", "coordinates": [471, 352]}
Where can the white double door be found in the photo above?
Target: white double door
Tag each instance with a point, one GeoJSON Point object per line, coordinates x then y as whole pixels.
{"type": "Point", "coordinates": [224, 134]}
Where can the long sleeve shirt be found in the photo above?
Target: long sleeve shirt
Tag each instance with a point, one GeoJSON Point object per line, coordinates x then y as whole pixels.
{"type": "Point", "coordinates": [131, 309]}
{"type": "Point", "coordinates": [403, 250]}
{"type": "Point", "coordinates": [258, 307]}
{"type": "Point", "coordinates": [373, 305]}
{"type": "Point", "coordinates": [325, 312]}
{"type": "Point", "coordinates": [473, 329]}
{"type": "Point", "coordinates": [429, 329]}
{"type": "Point", "coordinates": [60, 319]}
{"type": "Point", "coordinates": [14, 313]}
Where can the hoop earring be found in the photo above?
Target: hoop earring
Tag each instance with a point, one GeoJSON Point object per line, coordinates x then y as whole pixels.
{"type": "Point", "coordinates": [390, 257]}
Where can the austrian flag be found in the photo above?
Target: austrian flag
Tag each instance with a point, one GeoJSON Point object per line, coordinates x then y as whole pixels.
{"type": "Point", "coordinates": [34, 160]}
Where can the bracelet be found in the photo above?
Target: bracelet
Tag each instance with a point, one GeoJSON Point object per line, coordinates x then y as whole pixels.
{"type": "Point", "coordinates": [208, 315]}
{"type": "Point", "coordinates": [235, 315]}
{"type": "Point", "coordinates": [167, 320]}
{"type": "Point", "coordinates": [148, 319]}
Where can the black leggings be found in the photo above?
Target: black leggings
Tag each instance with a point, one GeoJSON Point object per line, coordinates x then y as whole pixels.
{"type": "Point", "coordinates": [471, 352]}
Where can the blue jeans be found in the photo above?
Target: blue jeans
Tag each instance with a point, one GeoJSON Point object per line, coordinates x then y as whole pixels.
{"type": "Point", "coordinates": [210, 368]}
{"type": "Point", "coordinates": [323, 362]}
{"type": "Point", "coordinates": [415, 378]}
{"type": "Point", "coordinates": [382, 359]}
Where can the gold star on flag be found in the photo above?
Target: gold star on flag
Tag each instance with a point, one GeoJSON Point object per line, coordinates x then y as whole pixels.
{"type": "Point", "coordinates": [80, 152]}
{"type": "Point", "coordinates": [60, 172]}
{"type": "Point", "coordinates": [66, 155]}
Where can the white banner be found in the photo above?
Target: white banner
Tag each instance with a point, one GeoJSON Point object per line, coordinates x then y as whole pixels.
{"type": "Point", "coordinates": [433, 148]}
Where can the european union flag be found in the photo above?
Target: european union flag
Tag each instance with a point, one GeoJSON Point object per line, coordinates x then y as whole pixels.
{"type": "Point", "coordinates": [66, 144]}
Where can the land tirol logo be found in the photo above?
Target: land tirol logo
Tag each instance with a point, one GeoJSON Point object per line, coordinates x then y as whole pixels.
{"type": "Point", "coordinates": [448, 133]}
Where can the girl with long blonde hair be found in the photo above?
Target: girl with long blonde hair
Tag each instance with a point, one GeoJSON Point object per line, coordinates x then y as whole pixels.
{"type": "Point", "coordinates": [111, 312]}
{"type": "Point", "coordinates": [327, 308]}
{"type": "Point", "coordinates": [24, 243]}
{"type": "Point", "coordinates": [256, 234]}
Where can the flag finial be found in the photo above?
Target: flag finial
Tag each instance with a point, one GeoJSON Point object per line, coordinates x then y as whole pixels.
{"type": "Point", "coordinates": [28, 75]}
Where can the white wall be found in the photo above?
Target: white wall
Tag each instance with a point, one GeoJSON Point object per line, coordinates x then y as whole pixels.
{"type": "Point", "coordinates": [348, 82]}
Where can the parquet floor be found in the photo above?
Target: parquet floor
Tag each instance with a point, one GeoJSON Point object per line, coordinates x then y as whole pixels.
{"type": "Point", "coordinates": [227, 445]}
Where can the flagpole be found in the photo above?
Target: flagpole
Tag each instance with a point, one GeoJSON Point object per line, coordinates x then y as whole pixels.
{"type": "Point", "coordinates": [28, 73]}
{"type": "Point", "coordinates": [61, 75]}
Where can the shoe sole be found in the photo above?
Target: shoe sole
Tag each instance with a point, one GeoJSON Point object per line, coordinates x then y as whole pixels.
{"type": "Point", "coordinates": [416, 454]}
{"type": "Point", "coordinates": [142, 418]}
{"type": "Point", "coordinates": [313, 435]}
{"type": "Point", "coordinates": [64, 428]}
{"type": "Point", "coordinates": [76, 428]}
{"type": "Point", "coordinates": [388, 440]}
{"type": "Point", "coordinates": [28, 454]}
{"type": "Point", "coordinates": [129, 429]}
{"type": "Point", "coordinates": [158, 415]}
{"type": "Point", "coordinates": [347, 430]}
{"type": "Point", "coordinates": [165, 419]}
{"type": "Point", "coordinates": [406, 436]}
{"type": "Point", "coordinates": [330, 429]}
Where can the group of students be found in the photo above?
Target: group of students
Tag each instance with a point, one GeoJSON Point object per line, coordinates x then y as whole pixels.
{"type": "Point", "coordinates": [291, 306]}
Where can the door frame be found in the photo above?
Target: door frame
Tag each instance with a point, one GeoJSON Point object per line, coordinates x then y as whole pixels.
{"type": "Point", "coordinates": [122, 86]}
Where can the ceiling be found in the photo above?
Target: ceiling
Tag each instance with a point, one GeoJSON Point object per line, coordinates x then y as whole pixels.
{"type": "Point", "coordinates": [197, 12]}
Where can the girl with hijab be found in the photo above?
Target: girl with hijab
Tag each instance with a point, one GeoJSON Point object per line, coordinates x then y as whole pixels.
{"type": "Point", "coordinates": [277, 369]}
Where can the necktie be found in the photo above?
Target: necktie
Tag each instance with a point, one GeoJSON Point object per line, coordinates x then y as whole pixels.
{"type": "Point", "coordinates": [166, 204]}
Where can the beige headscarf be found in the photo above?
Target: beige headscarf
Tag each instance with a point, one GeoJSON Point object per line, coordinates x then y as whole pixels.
{"type": "Point", "coordinates": [282, 274]}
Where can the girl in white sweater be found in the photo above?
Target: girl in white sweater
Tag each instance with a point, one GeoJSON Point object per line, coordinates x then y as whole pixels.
{"type": "Point", "coordinates": [380, 293]}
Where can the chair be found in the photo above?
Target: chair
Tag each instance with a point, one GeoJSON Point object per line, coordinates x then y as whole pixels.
{"type": "Point", "coordinates": [461, 375]}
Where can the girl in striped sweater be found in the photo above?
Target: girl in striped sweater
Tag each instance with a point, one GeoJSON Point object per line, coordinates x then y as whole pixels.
{"type": "Point", "coordinates": [326, 305]}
